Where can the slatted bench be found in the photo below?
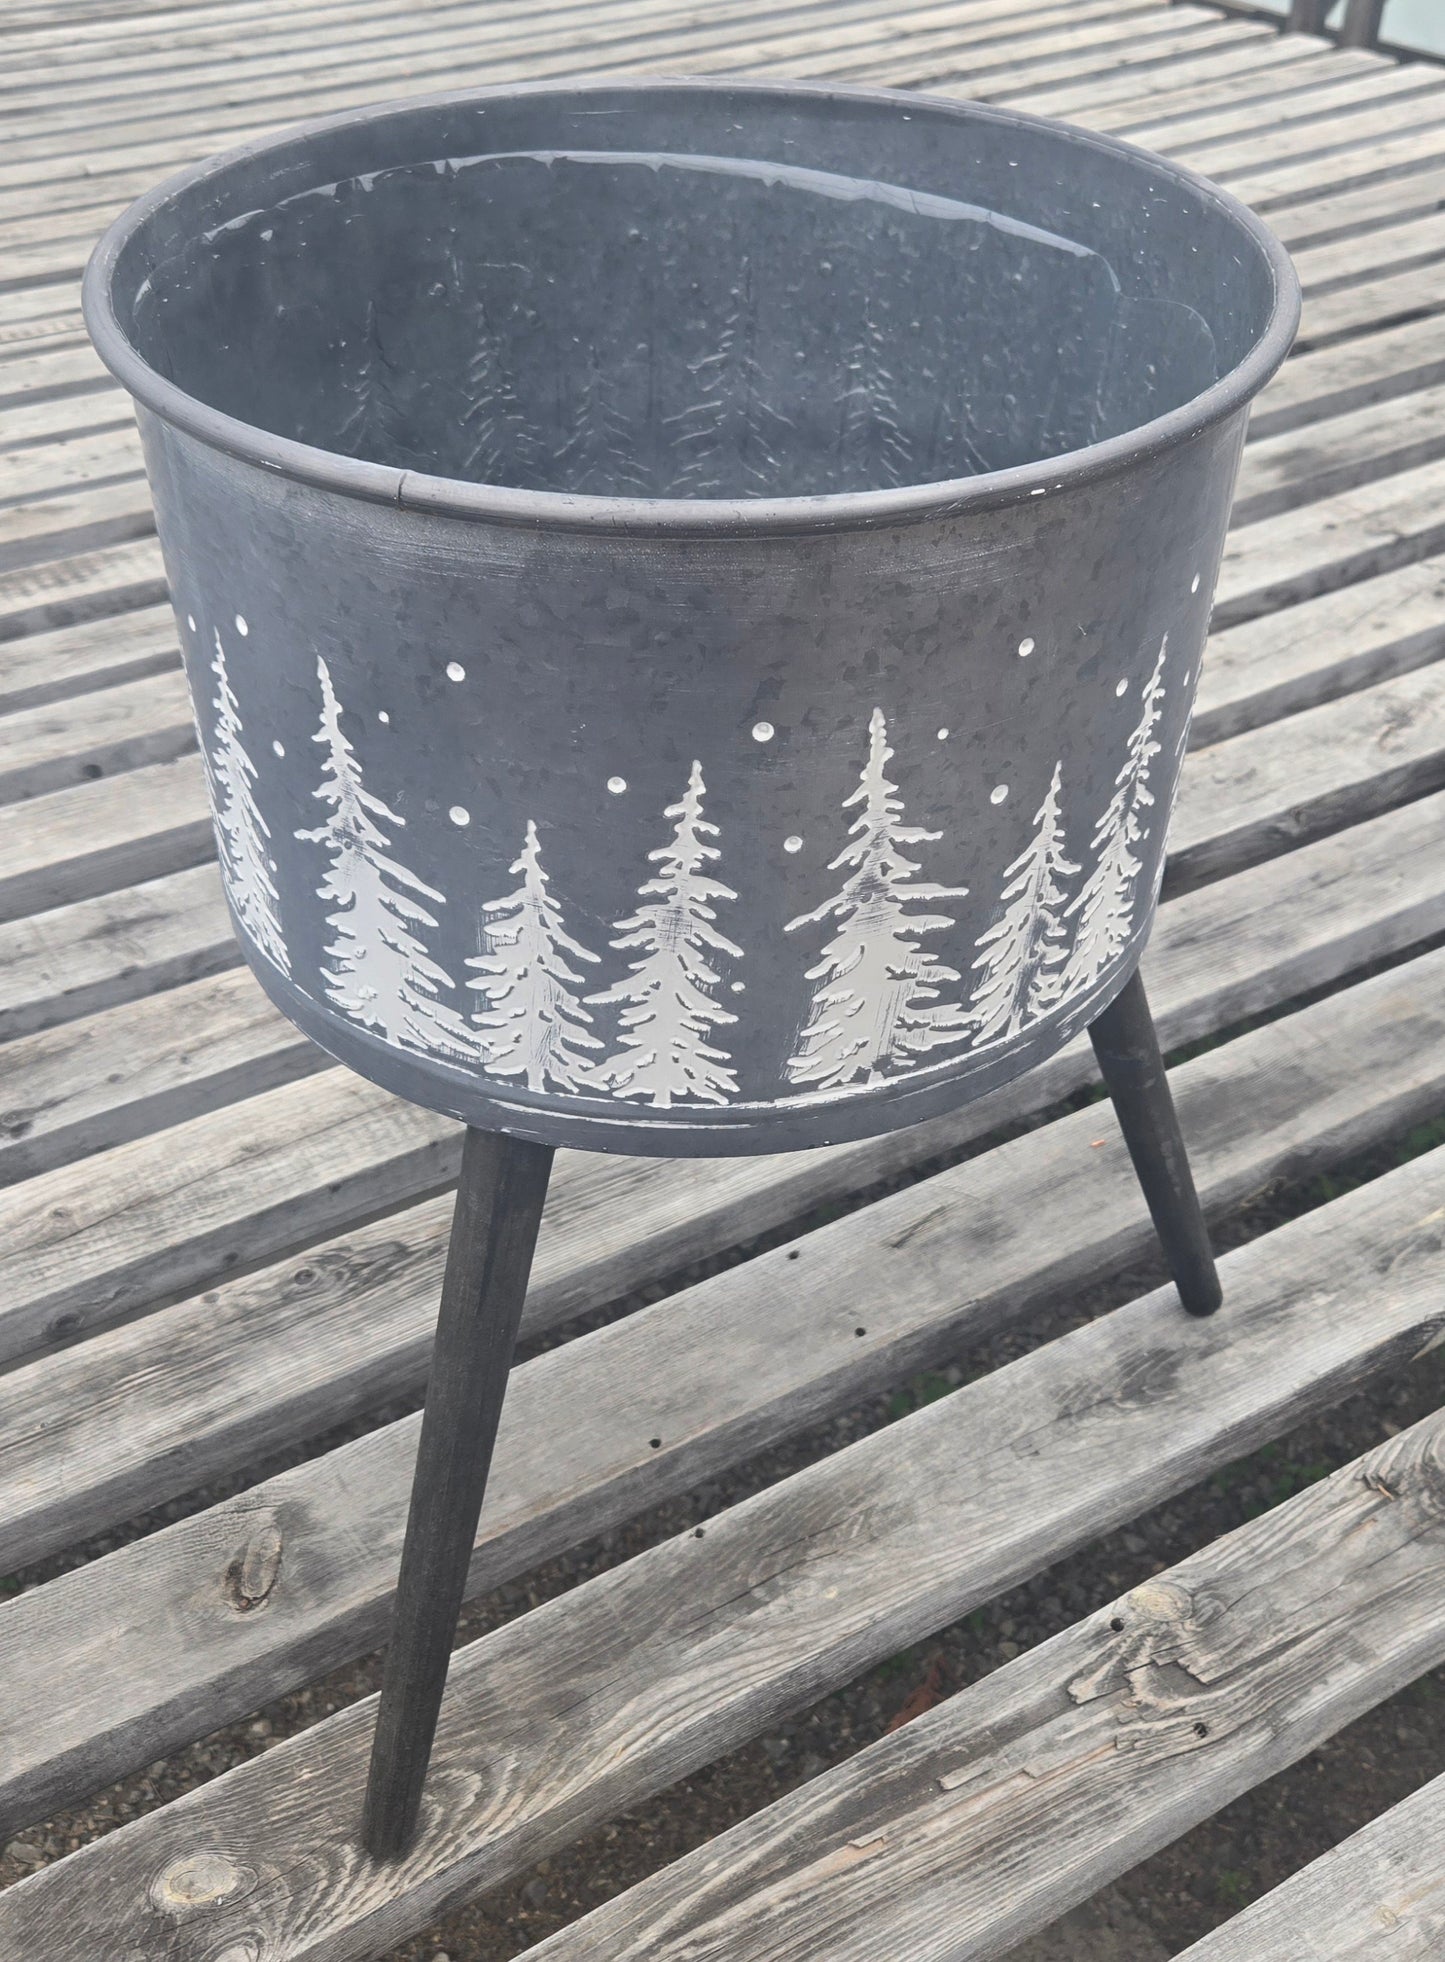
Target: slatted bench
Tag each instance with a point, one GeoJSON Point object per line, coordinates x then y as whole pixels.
{"type": "Point", "coordinates": [216, 1250]}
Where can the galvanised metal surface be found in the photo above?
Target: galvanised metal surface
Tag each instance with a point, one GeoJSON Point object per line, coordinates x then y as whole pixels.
{"type": "Point", "coordinates": [692, 592]}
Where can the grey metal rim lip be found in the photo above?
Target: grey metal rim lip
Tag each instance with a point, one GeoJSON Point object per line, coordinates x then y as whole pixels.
{"type": "Point", "coordinates": [724, 518]}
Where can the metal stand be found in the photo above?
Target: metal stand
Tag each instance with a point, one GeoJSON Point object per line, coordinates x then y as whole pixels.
{"type": "Point", "coordinates": [494, 1230]}
{"type": "Point", "coordinates": [1128, 1051]}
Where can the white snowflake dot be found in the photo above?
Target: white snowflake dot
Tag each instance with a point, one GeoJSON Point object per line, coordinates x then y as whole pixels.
{"type": "Point", "coordinates": [763, 732]}
{"type": "Point", "coordinates": [1121, 688]}
{"type": "Point", "coordinates": [455, 671]}
{"type": "Point", "coordinates": [943, 735]}
{"type": "Point", "coordinates": [1194, 584]}
{"type": "Point", "coordinates": [793, 844]}
{"type": "Point", "coordinates": [191, 621]}
{"type": "Point", "coordinates": [998, 793]}
{"type": "Point", "coordinates": [459, 814]}
{"type": "Point", "coordinates": [738, 987]}
{"type": "Point", "coordinates": [241, 628]}
{"type": "Point", "coordinates": [280, 748]}
{"type": "Point", "coordinates": [1026, 647]}
{"type": "Point", "coordinates": [382, 716]}
{"type": "Point", "coordinates": [617, 785]}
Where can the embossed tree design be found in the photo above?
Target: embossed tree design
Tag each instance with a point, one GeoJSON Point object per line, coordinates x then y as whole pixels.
{"type": "Point", "coordinates": [243, 837]}
{"type": "Point", "coordinates": [377, 968]}
{"type": "Point", "coordinates": [599, 455]}
{"type": "Point", "coordinates": [1104, 908]}
{"type": "Point", "coordinates": [1024, 950]}
{"type": "Point", "coordinates": [876, 451]}
{"type": "Point", "coordinates": [880, 999]}
{"type": "Point", "coordinates": [667, 1008]}
{"type": "Point", "coordinates": [502, 446]}
{"type": "Point", "coordinates": [534, 1025]}
{"type": "Point", "coordinates": [732, 428]}
{"type": "Point", "coordinates": [374, 419]}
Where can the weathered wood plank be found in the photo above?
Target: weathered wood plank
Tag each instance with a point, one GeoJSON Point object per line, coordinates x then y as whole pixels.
{"type": "Point", "coordinates": [71, 844]}
{"type": "Point", "coordinates": [134, 1069]}
{"type": "Point", "coordinates": [1228, 115]}
{"type": "Point", "coordinates": [1379, 1896]}
{"type": "Point", "coordinates": [1280, 663]}
{"type": "Point", "coordinates": [1214, 71]}
{"type": "Point", "coordinates": [1370, 161]}
{"type": "Point", "coordinates": [628, 1682]}
{"type": "Point", "coordinates": [46, 469]}
{"type": "Point", "coordinates": [1304, 465]}
{"type": "Point", "coordinates": [115, 579]}
{"type": "Point", "coordinates": [595, 43]}
{"type": "Point", "coordinates": [353, 1321]}
{"type": "Point", "coordinates": [1341, 379]}
{"type": "Point", "coordinates": [219, 92]}
{"type": "Point", "coordinates": [1321, 547]}
{"type": "Point", "coordinates": [78, 959]}
{"type": "Point", "coordinates": [1388, 201]}
{"type": "Point", "coordinates": [1266, 791]}
{"type": "Point", "coordinates": [63, 744]}
{"type": "Point", "coordinates": [68, 661]}
{"type": "Point", "coordinates": [979, 1823]}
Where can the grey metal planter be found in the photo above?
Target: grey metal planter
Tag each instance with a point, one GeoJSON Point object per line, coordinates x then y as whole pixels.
{"type": "Point", "coordinates": [692, 656]}
{"type": "Point", "coordinates": [692, 594]}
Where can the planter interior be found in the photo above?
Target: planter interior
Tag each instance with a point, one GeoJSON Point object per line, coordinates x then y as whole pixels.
{"type": "Point", "coordinates": [692, 297]}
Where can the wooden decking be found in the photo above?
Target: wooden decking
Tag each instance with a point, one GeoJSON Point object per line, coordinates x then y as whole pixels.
{"type": "Point", "coordinates": [213, 1246]}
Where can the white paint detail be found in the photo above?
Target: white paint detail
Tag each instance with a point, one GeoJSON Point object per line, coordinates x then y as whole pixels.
{"type": "Point", "coordinates": [1121, 688]}
{"type": "Point", "coordinates": [666, 999]}
{"type": "Point", "coordinates": [377, 969]}
{"type": "Point", "coordinates": [1026, 647]}
{"type": "Point", "coordinates": [241, 628]}
{"type": "Point", "coordinates": [763, 732]}
{"type": "Point", "coordinates": [793, 844]}
{"type": "Point", "coordinates": [1194, 584]}
{"type": "Point", "coordinates": [998, 794]}
{"type": "Point", "coordinates": [1022, 953]}
{"type": "Point", "coordinates": [279, 747]}
{"type": "Point", "coordinates": [455, 671]}
{"type": "Point", "coordinates": [382, 716]}
{"type": "Point", "coordinates": [533, 1023]}
{"type": "Point", "coordinates": [191, 621]}
{"type": "Point", "coordinates": [617, 785]}
{"type": "Point", "coordinates": [1105, 904]}
{"type": "Point", "coordinates": [242, 834]}
{"type": "Point", "coordinates": [459, 814]}
{"type": "Point", "coordinates": [943, 735]}
{"type": "Point", "coordinates": [876, 1000]}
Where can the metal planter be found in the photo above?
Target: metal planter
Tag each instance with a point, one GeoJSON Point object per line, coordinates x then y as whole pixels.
{"type": "Point", "coordinates": [692, 655]}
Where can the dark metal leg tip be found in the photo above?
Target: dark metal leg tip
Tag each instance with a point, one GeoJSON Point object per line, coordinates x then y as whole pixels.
{"type": "Point", "coordinates": [1203, 1298]}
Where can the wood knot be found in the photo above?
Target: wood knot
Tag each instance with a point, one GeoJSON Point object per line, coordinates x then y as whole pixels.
{"type": "Point", "coordinates": [196, 1880]}
{"type": "Point", "coordinates": [251, 1577]}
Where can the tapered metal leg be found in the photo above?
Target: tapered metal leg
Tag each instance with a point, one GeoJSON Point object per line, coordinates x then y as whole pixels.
{"type": "Point", "coordinates": [494, 1230]}
{"type": "Point", "coordinates": [1128, 1051]}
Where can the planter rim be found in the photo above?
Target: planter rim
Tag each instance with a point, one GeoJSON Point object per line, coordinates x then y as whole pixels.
{"type": "Point", "coordinates": [726, 518]}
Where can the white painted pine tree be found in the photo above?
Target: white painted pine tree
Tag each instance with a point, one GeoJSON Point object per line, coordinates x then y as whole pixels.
{"type": "Point", "coordinates": [243, 837]}
{"type": "Point", "coordinates": [534, 1025]}
{"type": "Point", "coordinates": [1024, 950]}
{"type": "Point", "coordinates": [377, 968]}
{"type": "Point", "coordinates": [881, 999]}
{"type": "Point", "coordinates": [1105, 906]}
{"type": "Point", "coordinates": [666, 999]}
